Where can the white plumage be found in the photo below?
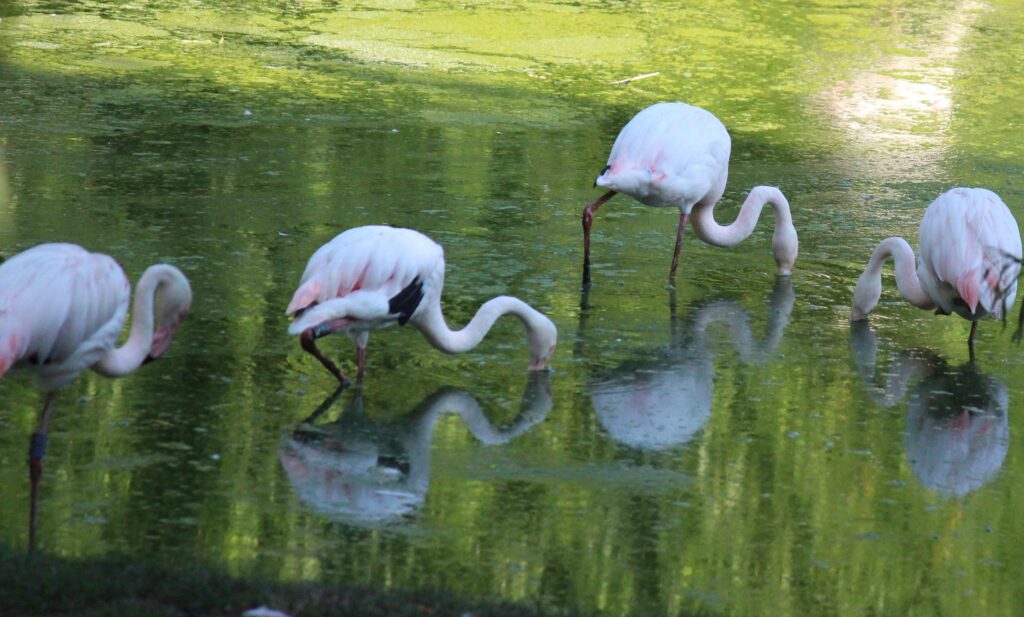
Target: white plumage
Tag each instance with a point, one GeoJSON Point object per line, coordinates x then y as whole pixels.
{"type": "Point", "coordinates": [677, 155]}
{"type": "Point", "coordinates": [372, 277]}
{"type": "Point", "coordinates": [968, 262]}
{"type": "Point", "coordinates": [61, 312]}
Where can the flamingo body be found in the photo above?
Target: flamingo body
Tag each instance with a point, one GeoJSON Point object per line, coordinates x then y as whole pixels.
{"type": "Point", "coordinates": [61, 312]}
{"type": "Point", "coordinates": [61, 309]}
{"type": "Point", "coordinates": [355, 276]}
{"type": "Point", "coordinates": [677, 155]}
{"type": "Point", "coordinates": [670, 155]}
{"type": "Point", "coordinates": [965, 238]}
{"type": "Point", "coordinates": [968, 260]}
{"type": "Point", "coordinates": [369, 278]}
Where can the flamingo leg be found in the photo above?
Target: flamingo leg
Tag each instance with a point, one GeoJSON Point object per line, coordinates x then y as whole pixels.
{"type": "Point", "coordinates": [588, 220]}
{"type": "Point", "coordinates": [679, 245]}
{"type": "Point", "coordinates": [360, 361]}
{"type": "Point", "coordinates": [308, 341]}
{"type": "Point", "coordinates": [36, 451]}
{"type": "Point", "coordinates": [970, 339]}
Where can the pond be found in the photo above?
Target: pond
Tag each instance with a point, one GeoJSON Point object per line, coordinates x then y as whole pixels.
{"type": "Point", "coordinates": [723, 446]}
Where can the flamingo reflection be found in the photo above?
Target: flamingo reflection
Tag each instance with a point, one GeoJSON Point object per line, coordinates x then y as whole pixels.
{"type": "Point", "coordinates": [369, 473]}
{"type": "Point", "coordinates": [664, 400]}
{"type": "Point", "coordinates": [957, 424]}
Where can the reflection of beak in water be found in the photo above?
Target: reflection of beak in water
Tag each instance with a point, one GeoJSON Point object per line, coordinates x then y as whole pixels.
{"type": "Point", "coordinates": [957, 427]}
{"type": "Point", "coordinates": [659, 404]}
{"type": "Point", "coordinates": [363, 472]}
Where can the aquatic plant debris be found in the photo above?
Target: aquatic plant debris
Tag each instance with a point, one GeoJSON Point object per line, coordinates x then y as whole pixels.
{"type": "Point", "coordinates": [635, 78]}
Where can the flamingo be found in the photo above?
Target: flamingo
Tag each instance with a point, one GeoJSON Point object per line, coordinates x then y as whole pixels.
{"type": "Point", "coordinates": [677, 155]}
{"type": "Point", "coordinates": [372, 277]}
{"type": "Point", "coordinates": [968, 261]}
{"type": "Point", "coordinates": [61, 312]}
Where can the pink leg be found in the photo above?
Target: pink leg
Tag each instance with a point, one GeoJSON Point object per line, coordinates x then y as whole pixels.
{"type": "Point", "coordinates": [588, 220]}
{"type": "Point", "coordinates": [360, 361]}
{"type": "Point", "coordinates": [36, 451]}
{"type": "Point", "coordinates": [679, 245]}
{"type": "Point", "coordinates": [308, 341]}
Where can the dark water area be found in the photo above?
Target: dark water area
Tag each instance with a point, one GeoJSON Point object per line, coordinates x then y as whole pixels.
{"type": "Point", "coordinates": [724, 446]}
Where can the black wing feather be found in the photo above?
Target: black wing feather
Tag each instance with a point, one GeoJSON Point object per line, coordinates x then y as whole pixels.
{"type": "Point", "coordinates": [405, 302]}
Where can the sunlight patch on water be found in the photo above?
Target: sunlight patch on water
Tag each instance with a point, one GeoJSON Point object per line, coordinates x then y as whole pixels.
{"type": "Point", "coordinates": [904, 103]}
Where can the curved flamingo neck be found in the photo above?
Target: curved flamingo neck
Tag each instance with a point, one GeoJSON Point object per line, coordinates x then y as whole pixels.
{"type": "Point", "coordinates": [437, 332]}
{"type": "Point", "coordinates": [784, 241]}
{"type": "Point", "coordinates": [905, 270]}
{"type": "Point", "coordinates": [129, 356]}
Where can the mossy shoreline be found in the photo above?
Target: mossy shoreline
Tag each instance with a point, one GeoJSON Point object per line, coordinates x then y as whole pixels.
{"type": "Point", "coordinates": [40, 585]}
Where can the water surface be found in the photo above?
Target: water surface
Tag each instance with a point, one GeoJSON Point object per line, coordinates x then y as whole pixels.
{"type": "Point", "coordinates": [726, 446]}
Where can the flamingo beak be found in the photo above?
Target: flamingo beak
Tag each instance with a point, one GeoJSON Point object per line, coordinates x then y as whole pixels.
{"type": "Point", "coordinates": [541, 364]}
{"type": "Point", "coordinates": [161, 341]}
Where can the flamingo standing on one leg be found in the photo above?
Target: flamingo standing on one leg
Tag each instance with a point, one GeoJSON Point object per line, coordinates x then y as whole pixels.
{"type": "Point", "coordinates": [61, 312]}
{"type": "Point", "coordinates": [968, 261]}
{"type": "Point", "coordinates": [372, 277]}
{"type": "Point", "coordinates": [677, 155]}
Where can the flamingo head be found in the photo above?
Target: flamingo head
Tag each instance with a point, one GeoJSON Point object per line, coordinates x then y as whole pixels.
{"type": "Point", "coordinates": [172, 301]}
{"type": "Point", "coordinates": [543, 338]}
{"type": "Point", "coordinates": [785, 247]}
{"type": "Point", "coordinates": [865, 296]}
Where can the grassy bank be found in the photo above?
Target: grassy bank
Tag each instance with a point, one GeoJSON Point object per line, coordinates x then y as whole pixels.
{"type": "Point", "coordinates": [47, 586]}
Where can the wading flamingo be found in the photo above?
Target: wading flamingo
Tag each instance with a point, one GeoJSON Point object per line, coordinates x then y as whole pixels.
{"type": "Point", "coordinates": [371, 277]}
{"type": "Point", "coordinates": [968, 262]}
{"type": "Point", "coordinates": [61, 312]}
{"type": "Point", "coordinates": [677, 155]}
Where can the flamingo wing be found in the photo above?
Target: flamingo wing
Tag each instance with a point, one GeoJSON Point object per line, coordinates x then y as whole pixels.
{"type": "Point", "coordinates": [970, 249]}
{"type": "Point", "coordinates": [381, 270]}
{"type": "Point", "coordinates": [405, 302]}
{"type": "Point", "coordinates": [61, 309]}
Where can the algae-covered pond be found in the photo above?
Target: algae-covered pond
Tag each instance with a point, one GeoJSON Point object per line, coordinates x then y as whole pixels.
{"type": "Point", "coordinates": [720, 448]}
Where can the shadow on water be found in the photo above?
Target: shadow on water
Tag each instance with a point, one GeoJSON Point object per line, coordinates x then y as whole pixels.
{"type": "Point", "coordinates": [362, 472]}
{"type": "Point", "coordinates": [957, 420]}
{"type": "Point", "coordinates": [661, 398]}
{"type": "Point", "coordinates": [42, 585]}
